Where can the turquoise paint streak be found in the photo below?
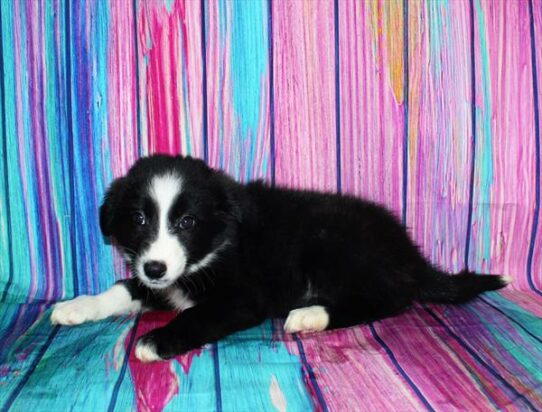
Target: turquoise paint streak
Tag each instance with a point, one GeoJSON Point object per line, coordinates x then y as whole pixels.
{"type": "Point", "coordinates": [15, 319]}
{"type": "Point", "coordinates": [100, 134]}
{"type": "Point", "coordinates": [169, 5]}
{"type": "Point", "coordinates": [251, 356]}
{"type": "Point", "coordinates": [528, 320]}
{"type": "Point", "coordinates": [56, 124]}
{"type": "Point", "coordinates": [186, 136]}
{"type": "Point", "coordinates": [223, 25]}
{"type": "Point", "coordinates": [516, 343]}
{"type": "Point", "coordinates": [249, 65]}
{"type": "Point", "coordinates": [88, 369]}
{"type": "Point", "coordinates": [197, 388]}
{"type": "Point", "coordinates": [16, 135]}
{"type": "Point", "coordinates": [484, 151]}
{"type": "Point", "coordinates": [435, 36]}
{"type": "Point", "coordinates": [187, 139]}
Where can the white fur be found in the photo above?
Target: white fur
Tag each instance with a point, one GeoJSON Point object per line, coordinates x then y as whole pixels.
{"type": "Point", "coordinates": [207, 259]}
{"type": "Point", "coordinates": [115, 301]}
{"type": "Point", "coordinates": [506, 279]}
{"type": "Point", "coordinates": [178, 299]}
{"type": "Point", "coordinates": [309, 319]}
{"type": "Point", "coordinates": [146, 352]}
{"type": "Point", "coordinates": [166, 248]}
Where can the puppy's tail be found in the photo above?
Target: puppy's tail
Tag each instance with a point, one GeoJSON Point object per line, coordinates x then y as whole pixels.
{"type": "Point", "coordinates": [440, 287]}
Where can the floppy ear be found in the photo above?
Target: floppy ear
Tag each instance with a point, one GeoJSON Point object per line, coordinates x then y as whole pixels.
{"type": "Point", "coordinates": [110, 204]}
{"type": "Point", "coordinates": [233, 202]}
{"type": "Point", "coordinates": [197, 164]}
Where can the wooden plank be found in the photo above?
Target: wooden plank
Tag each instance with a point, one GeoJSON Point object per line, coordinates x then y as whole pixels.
{"type": "Point", "coordinates": [439, 129]}
{"type": "Point", "coordinates": [372, 100]}
{"type": "Point", "coordinates": [504, 187]}
{"type": "Point", "coordinates": [238, 87]}
{"type": "Point", "coordinates": [170, 76]}
{"type": "Point", "coordinates": [304, 68]}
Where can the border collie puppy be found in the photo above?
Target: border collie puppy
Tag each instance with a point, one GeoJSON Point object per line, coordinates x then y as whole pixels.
{"type": "Point", "coordinates": [227, 256]}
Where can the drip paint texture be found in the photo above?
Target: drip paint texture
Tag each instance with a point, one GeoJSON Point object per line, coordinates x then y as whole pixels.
{"type": "Point", "coordinates": [431, 108]}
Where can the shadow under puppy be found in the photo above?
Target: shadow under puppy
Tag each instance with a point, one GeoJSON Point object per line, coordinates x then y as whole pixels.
{"type": "Point", "coordinates": [227, 256]}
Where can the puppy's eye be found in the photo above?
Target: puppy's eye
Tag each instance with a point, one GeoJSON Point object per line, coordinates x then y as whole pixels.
{"type": "Point", "coordinates": [186, 222]}
{"type": "Point", "coordinates": [139, 218]}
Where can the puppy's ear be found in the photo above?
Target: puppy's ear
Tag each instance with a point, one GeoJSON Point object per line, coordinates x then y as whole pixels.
{"type": "Point", "coordinates": [232, 200]}
{"type": "Point", "coordinates": [196, 164]}
{"type": "Point", "coordinates": [109, 207]}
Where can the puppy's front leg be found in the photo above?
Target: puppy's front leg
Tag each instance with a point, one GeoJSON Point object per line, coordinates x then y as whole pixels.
{"type": "Point", "coordinates": [195, 327]}
{"type": "Point", "coordinates": [117, 300]}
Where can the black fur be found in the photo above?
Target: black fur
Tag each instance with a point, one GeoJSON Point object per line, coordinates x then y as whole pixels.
{"type": "Point", "coordinates": [357, 258]}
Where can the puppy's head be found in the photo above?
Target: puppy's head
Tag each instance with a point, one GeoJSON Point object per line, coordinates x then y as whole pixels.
{"type": "Point", "coordinates": [171, 216]}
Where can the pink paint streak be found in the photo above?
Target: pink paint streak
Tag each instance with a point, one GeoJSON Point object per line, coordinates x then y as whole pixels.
{"type": "Point", "coordinates": [170, 75]}
{"type": "Point", "coordinates": [372, 119]}
{"type": "Point", "coordinates": [303, 47]}
{"type": "Point", "coordinates": [513, 192]}
{"type": "Point", "coordinates": [156, 383]}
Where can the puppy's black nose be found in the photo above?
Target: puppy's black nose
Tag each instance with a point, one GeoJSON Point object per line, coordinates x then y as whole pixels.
{"type": "Point", "coordinates": [155, 269]}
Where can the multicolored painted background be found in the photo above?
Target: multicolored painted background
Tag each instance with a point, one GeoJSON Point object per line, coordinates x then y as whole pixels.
{"type": "Point", "coordinates": [429, 107]}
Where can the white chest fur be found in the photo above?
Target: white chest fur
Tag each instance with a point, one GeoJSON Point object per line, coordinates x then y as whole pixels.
{"type": "Point", "coordinates": [178, 299]}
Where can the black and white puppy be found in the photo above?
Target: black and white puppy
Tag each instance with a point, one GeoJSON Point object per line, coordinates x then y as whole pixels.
{"type": "Point", "coordinates": [227, 256]}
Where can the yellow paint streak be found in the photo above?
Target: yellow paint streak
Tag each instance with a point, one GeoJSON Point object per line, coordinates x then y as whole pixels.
{"type": "Point", "coordinates": [393, 27]}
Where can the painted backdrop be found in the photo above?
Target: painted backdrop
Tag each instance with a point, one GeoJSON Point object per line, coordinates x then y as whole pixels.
{"type": "Point", "coordinates": [431, 108]}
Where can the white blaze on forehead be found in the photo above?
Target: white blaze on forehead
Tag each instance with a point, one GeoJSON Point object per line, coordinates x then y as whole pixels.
{"type": "Point", "coordinates": [166, 247]}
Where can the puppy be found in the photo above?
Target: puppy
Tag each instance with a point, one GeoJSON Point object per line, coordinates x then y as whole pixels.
{"type": "Point", "coordinates": [226, 256]}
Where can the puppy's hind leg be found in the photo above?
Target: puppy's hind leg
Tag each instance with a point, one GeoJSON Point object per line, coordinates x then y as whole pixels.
{"type": "Point", "coordinates": [318, 318]}
{"type": "Point", "coordinates": [117, 300]}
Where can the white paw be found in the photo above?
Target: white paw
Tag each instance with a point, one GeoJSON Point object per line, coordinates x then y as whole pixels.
{"type": "Point", "coordinates": [310, 319]}
{"type": "Point", "coordinates": [146, 352]}
{"type": "Point", "coordinates": [76, 311]}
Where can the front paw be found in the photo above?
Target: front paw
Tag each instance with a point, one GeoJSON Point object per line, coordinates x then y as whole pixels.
{"type": "Point", "coordinates": [76, 311]}
{"type": "Point", "coordinates": [157, 345]}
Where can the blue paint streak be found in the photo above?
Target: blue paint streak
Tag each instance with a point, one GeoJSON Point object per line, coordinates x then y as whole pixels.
{"type": "Point", "coordinates": [90, 128]}
{"type": "Point", "coordinates": [537, 143]}
{"type": "Point", "coordinates": [22, 383]}
{"type": "Point", "coordinates": [337, 96]}
{"type": "Point", "coordinates": [29, 211]}
{"type": "Point", "coordinates": [473, 142]}
{"type": "Point", "coordinates": [310, 373]}
{"type": "Point", "coordinates": [271, 90]}
{"type": "Point", "coordinates": [218, 389]}
{"type": "Point", "coordinates": [204, 81]}
{"type": "Point", "coordinates": [478, 359]}
{"type": "Point", "coordinates": [399, 368]}
{"type": "Point", "coordinates": [73, 243]}
{"type": "Point", "coordinates": [405, 110]}
{"type": "Point", "coordinates": [136, 65]}
{"type": "Point", "coordinates": [122, 372]}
